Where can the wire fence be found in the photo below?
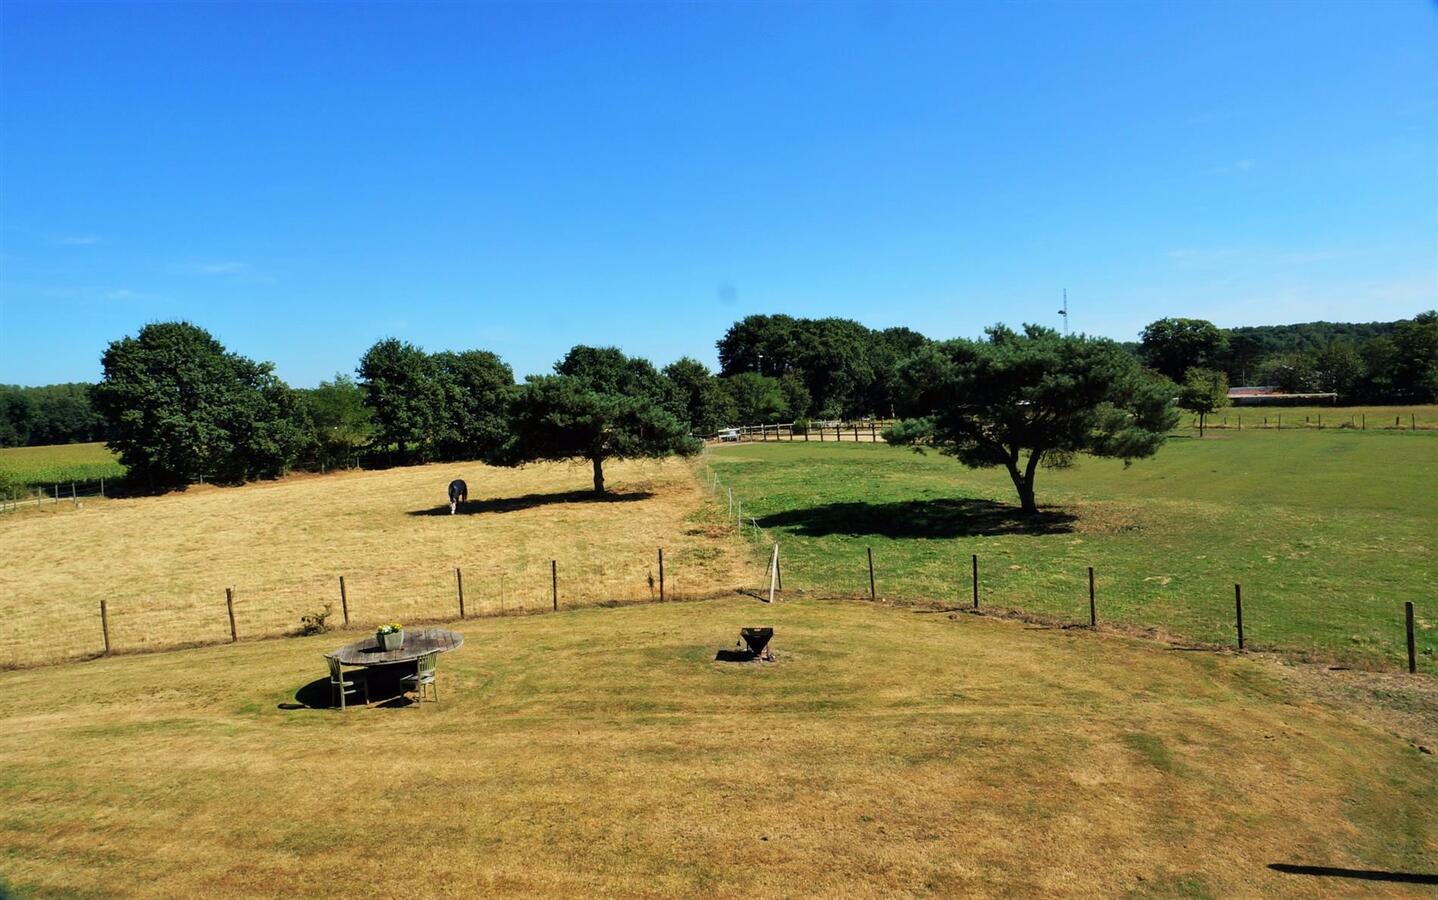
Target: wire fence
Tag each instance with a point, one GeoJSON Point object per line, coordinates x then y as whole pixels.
{"type": "Point", "coordinates": [359, 599]}
{"type": "Point", "coordinates": [1373, 632]}
{"type": "Point", "coordinates": [16, 498]}
{"type": "Point", "coordinates": [1258, 418]}
{"type": "Point", "coordinates": [1376, 633]}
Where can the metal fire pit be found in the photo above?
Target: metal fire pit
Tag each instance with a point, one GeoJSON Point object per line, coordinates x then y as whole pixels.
{"type": "Point", "coordinates": [757, 640]}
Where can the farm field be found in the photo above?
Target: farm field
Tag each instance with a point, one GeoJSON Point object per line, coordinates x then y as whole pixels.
{"type": "Point", "coordinates": [1327, 531]}
{"type": "Point", "coordinates": [25, 467]}
{"type": "Point", "coordinates": [886, 751]}
{"type": "Point", "coordinates": [162, 564]}
{"type": "Point", "coordinates": [1377, 418]}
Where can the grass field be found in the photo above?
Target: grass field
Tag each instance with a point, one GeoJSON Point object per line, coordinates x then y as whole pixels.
{"type": "Point", "coordinates": [162, 564]}
{"type": "Point", "coordinates": [1374, 418]}
{"type": "Point", "coordinates": [22, 468]}
{"type": "Point", "coordinates": [1328, 532]}
{"type": "Point", "coordinates": [604, 751]}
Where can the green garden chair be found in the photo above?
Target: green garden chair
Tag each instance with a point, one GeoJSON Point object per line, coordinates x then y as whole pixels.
{"type": "Point", "coordinates": [424, 671]}
{"type": "Point", "coordinates": [340, 687]}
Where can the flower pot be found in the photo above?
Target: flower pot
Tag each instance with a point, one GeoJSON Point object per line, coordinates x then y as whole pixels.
{"type": "Point", "coordinates": [391, 641]}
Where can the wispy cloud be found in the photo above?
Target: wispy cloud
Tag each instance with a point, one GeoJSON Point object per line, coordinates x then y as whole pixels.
{"type": "Point", "coordinates": [77, 240]}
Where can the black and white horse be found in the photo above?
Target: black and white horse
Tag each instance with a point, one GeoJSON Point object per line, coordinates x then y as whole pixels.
{"type": "Point", "coordinates": [458, 493]}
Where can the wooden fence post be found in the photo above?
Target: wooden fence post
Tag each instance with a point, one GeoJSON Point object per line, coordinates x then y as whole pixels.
{"type": "Point", "coordinates": [873, 595]}
{"type": "Point", "coordinates": [102, 487]}
{"type": "Point", "coordinates": [661, 574]}
{"type": "Point", "coordinates": [1412, 655]}
{"type": "Point", "coordinates": [976, 581]}
{"type": "Point", "coordinates": [105, 626]}
{"type": "Point", "coordinates": [230, 607]}
{"type": "Point", "coordinates": [773, 571]}
{"type": "Point", "coordinates": [778, 570]}
{"type": "Point", "coordinates": [1092, 607]}
{"type": "Point", "coordinates": [344, 601]}
{"type": "Point", "coordinates": [554, 582]}
{"type": "Point", "coordinates": [1238, 611]}
{"type": "Point", "coordinates": [459, 587]}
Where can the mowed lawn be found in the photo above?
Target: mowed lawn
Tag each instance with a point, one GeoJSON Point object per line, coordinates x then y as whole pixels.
{"type": "Point", "coordinates": [162, 564]}
{"type": "Point", "coordinates": [1329, 532]}
{"type": "Point", "coordinates": [886, 751]}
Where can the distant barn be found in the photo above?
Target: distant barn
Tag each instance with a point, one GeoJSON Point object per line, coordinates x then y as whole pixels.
{"type": "Point", "coordinates": [1259, 395]}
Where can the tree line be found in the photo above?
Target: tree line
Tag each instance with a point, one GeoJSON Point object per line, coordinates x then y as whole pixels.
{"type": "Point", "coordinates": [1383, 362]}
{"type": "Point", "coordinates": [179, 407]}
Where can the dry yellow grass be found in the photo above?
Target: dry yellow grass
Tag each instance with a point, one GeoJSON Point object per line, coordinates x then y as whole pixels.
{"type": "Point", "coordinates": [604, 751]}
{"type": "Point", "coordinates": [162, 563]}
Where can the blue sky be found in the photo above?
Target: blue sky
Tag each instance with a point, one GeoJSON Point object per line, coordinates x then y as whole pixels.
{"type": "Point", "coordinates": [303, 179]}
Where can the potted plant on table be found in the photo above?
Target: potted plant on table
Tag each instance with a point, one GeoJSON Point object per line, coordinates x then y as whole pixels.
{"type": "Point", "coordinates": [390, 636]}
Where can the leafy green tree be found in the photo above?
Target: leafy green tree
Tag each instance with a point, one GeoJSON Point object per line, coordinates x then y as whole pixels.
{"type": "Point", "coordinates": [49, 414]}
{"type": "Point", "coordinates": [1338, 368]}
{"type": "Point", "coordinates": [886, 349]}
{"type": "Point", "coordinates": [1380, 359]}
{"type": "Point", "coordinates": [600, 405]}
{"type": "Point", "coordinates": [988, 403]}
{"type": "Point", "coordinates": [758, 399]}
{"type": "Point", "coordinates": [1173, 346]}
{"type": "Point", "coordinates": [847, 369]}
{"type": "Point", "coordinates": [1415, 370]}
{"type": "Point", "coordinates": [762, 344]}
{"type": "Point", "coordinates": [475, 387]}
{"type": "Point", "coordinates": [1292, 373]}
{"type": "Point", "coordinates": [797, 400]}
{"type": "Point", "coordinates": [706, 406]}
{"type": "Point", "coordinates": [1203, 392]}
{"type": "Point", "coordinates": [17, 417]}
{"type": "Point", "coordinates": [341, 424]}
{"type": "Point", "coordinates": [402, 389]}
{"type": "Point", "coordinates": [180, 407]}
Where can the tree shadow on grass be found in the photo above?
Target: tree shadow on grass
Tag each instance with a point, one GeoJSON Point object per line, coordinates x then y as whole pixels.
{"type": "Point", "coordinates": [530, 501]}
{"type": "Point", "coordinates": [1359, 874]}
{"type": "Point", "coordinates": [942, 518]}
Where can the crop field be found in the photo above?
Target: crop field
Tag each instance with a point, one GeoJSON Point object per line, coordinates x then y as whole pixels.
{"type": "Point", "coordinates": [162, 564]}
{"type": "Point", "coordinates": [1328, 532]}
{"type": "Point", "coordinates": [25, 467]}
{"type": "Point", "coordinates": [605, 751]}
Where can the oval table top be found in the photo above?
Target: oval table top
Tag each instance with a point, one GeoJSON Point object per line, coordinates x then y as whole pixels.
{"type": "Point", "coordinates": [417, 642]}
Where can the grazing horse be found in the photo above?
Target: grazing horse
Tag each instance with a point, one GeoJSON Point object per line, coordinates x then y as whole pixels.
{"type": "Point", "coordinates": [458, 493]}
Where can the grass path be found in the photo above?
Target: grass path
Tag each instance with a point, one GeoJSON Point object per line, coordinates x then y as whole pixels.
{"type": "Point", "coordinates": [604, 751]}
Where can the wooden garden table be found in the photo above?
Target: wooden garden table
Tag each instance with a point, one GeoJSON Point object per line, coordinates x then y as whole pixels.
{"type": "Point", "coordinates": [417, 642]}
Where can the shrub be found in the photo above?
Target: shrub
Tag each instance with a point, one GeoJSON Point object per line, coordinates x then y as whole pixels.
{"type": "Point", "coordinates": [316, 622]}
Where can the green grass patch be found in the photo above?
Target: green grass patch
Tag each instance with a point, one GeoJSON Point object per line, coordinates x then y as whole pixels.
{"type": "Point", "coordinates": [27, 468]}
{"type": "Point", "coordinates": [1328, 531]}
